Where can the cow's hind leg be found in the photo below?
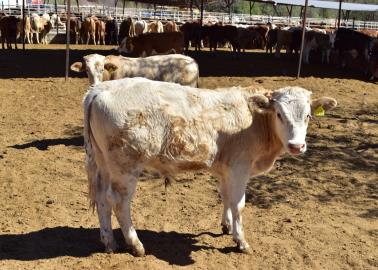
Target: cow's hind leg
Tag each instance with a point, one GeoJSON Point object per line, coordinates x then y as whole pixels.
{"type": "Point", "coordinates": [236, 187]}
{"type": "Point", "coordinates": [123, 192]}
{"type": "Point", "coordinates": [227, 215]}
{"type": "Point", "coordinates": [104, 211]}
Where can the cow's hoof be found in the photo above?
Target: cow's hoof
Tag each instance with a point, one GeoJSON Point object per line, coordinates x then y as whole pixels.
{"type": "Point", "coordinates": [111, 247]}
{"type": "Point", "coordinates": [138, 250]}
{"type": "Point", "coordinates": [226, 228]}
{"type": "Point", "coordinates": [243, 246]}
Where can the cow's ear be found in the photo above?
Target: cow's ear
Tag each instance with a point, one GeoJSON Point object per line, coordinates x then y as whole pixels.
{"type": "Point", "coordinates": [110, 67]}
{"type": "Point", "coordinates": [78, 67]}
{"type": "Point", "coordinates": [260, 103]}
{"type": "Point", "coordinates": [321, 105]}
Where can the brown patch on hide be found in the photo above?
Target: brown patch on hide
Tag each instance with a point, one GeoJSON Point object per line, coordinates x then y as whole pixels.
{"type": "Point", "coordinates": [122, 190]}
{"type": "Point", "coordinates": [115, 142]}
{"type": "Point", "coordinates": [141, 119]}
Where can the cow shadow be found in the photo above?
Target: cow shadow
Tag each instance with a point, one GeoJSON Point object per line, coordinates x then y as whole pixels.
{"type": "Point", "coordinates": [172, 247]}
{"type": "Point", "coordinates": [75, 139]}
{"type": "Point", "coordinates": [44, 145]}
{"type": "Point", "coordinates": [42, 63]}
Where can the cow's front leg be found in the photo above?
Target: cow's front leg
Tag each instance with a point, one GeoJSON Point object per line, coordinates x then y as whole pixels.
{"type": "Point", "coordinates": [123, 193]}
{"type": "Point", "coordinates": [237, 184]}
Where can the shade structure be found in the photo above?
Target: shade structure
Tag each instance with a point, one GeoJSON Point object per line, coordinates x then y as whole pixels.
{"type": "Point", "coordinates": [323, 4]}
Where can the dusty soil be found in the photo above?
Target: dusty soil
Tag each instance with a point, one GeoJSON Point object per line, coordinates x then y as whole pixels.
{"type": "Point", "coordinates": [316, 211]}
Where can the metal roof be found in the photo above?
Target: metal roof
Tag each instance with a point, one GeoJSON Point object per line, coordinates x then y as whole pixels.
{"type": "Point", "coordinates": [324, 4]}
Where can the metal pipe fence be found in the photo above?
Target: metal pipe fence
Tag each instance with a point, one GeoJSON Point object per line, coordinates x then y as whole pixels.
{"type": "Point", "coordinates": [178, 15]}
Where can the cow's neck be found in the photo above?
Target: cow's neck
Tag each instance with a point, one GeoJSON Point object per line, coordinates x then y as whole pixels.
{"type": "Point", "coordinates": [267, 146]}
{"type": "Point", "coordinates": [257, 146]}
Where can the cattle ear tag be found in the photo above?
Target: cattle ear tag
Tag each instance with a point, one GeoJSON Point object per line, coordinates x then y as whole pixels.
{"type": "Point", "coordinates": [319, 111]}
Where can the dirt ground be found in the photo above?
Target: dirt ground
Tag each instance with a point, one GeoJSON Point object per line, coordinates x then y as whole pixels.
{"type": "Point", "coordinates": [316, 211]}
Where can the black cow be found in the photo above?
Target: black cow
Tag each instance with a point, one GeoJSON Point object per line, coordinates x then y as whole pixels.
{"type": "Point", "coordinates": [126, 29]}
{"type": "Point", "coordinates": [271, 40]}
{"type": "Point", "coordinates": [111, 32]}
{"type": "Point", "coordinates": [347, 41]}
{"type": "Point", "coordinates": [9, 30]}
{"type": "Point", "coordinates": [222, 34]}
{"type": "Point", "coordinates": [192, 33]}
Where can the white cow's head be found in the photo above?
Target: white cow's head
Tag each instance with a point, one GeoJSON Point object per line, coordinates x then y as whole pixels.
{"type": "Point", "coordinates": [291, 109]}
{"type": "Point", "coordinates": [94, 65]}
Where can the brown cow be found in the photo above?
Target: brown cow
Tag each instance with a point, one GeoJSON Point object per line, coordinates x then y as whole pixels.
{"type": "Point", "coordinates": [263, 35]}
{"type": "Point", "coordinates": [75, 26]}
{"type": "Point", "coordinates": [155, 27]}
{"type": "Point", "coordinates": [170, 26]}
{"type": "Point", "coordinates": [369, 32]}
{"type": "Point", "coordinates": [100, 31]}
{"type": "Point", "coordinates": [88, 30]}
{"type": "Point", "coordinates": [153, 43]}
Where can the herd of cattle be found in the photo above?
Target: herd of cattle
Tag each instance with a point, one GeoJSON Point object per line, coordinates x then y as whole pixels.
{"type": "Point", "coordinates": [344, 46]}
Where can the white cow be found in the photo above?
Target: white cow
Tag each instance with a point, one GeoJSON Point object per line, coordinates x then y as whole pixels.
{"type": "Point", "coordinates": [170, 68]}
{"type": "Point", "coordinates": [40, 26]}
{"type": "Point", "coordinates": [140, 27]}
{"type": "Point", "coordinates": [134, 123]}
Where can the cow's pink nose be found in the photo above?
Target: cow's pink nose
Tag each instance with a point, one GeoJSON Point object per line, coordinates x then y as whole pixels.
{"type": "Point", "coordinates": [296, 148]}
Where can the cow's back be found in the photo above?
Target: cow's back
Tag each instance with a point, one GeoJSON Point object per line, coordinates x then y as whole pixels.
{"type": "Point", "coordinates": [159, 43]}
{"type": "Point", "coordinates": [165, 122]}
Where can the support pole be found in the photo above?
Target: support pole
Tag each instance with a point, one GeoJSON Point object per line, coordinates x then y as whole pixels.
{"type": "Point", "coordinates": [68, 37]}
{"type": "Point", "coordinates": [57, 20]}
{"type": "Point", "coordinates": [302, 40]}
{"type": "Point", "coordinates": [23, 25]}
{"type": "Point", "coordinates": [191, 9]}
{"type": "Point", "coordinates": [339, 16]}
{"type": "Point", "coordinates": [201, 13]}
{"type": "Point", "coordinates": [251, 5]}
{"type": "Point", "coordinates": [123, 9]}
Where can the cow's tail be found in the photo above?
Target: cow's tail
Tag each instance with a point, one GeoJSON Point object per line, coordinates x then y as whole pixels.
{"type": "Point", "coordinates": [90, 148]}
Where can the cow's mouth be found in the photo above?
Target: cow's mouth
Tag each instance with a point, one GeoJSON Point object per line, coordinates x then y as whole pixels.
{"type": "Point", "coordinates": [296, 149]}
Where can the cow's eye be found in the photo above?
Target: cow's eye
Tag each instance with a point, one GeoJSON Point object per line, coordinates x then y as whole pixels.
{"type": "Point", "coordinates": [279, 116]}
{"type": "Point", "coordinates": [308, 117]}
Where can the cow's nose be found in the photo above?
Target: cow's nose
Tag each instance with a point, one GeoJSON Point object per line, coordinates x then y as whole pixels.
{"type": "Point", "coordinates": [296, 148]}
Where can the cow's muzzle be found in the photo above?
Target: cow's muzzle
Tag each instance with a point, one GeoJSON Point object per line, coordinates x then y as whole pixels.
{"type": "Point", "coordinates": [296, 149]}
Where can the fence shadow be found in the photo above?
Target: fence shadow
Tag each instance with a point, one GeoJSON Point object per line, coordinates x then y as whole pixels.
{"type": "Point", "coordinates": [41, 63]}
{"type": "Point", "coordinates": [172, 247]}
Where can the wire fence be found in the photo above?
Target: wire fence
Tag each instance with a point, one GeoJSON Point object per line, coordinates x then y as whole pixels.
{"type": "Point", "coordinates": [179, 15]}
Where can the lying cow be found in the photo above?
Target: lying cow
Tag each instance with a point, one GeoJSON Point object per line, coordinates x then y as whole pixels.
{"type": "Point", "coordinates": [135, 123]}
{"type": "Point", "coordinates": [153, 43]}
{"type": "Point", "coordinates": [170, 68]}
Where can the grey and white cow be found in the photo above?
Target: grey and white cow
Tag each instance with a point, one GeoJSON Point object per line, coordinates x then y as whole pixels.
{"type": "Point", "coordinates": [134, 123]}
{"type": "Point", "coordinates": [170, 68]}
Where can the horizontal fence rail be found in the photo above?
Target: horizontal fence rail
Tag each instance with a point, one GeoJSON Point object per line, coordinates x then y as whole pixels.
{"type": "Point", "coordinates": [179, 15]}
